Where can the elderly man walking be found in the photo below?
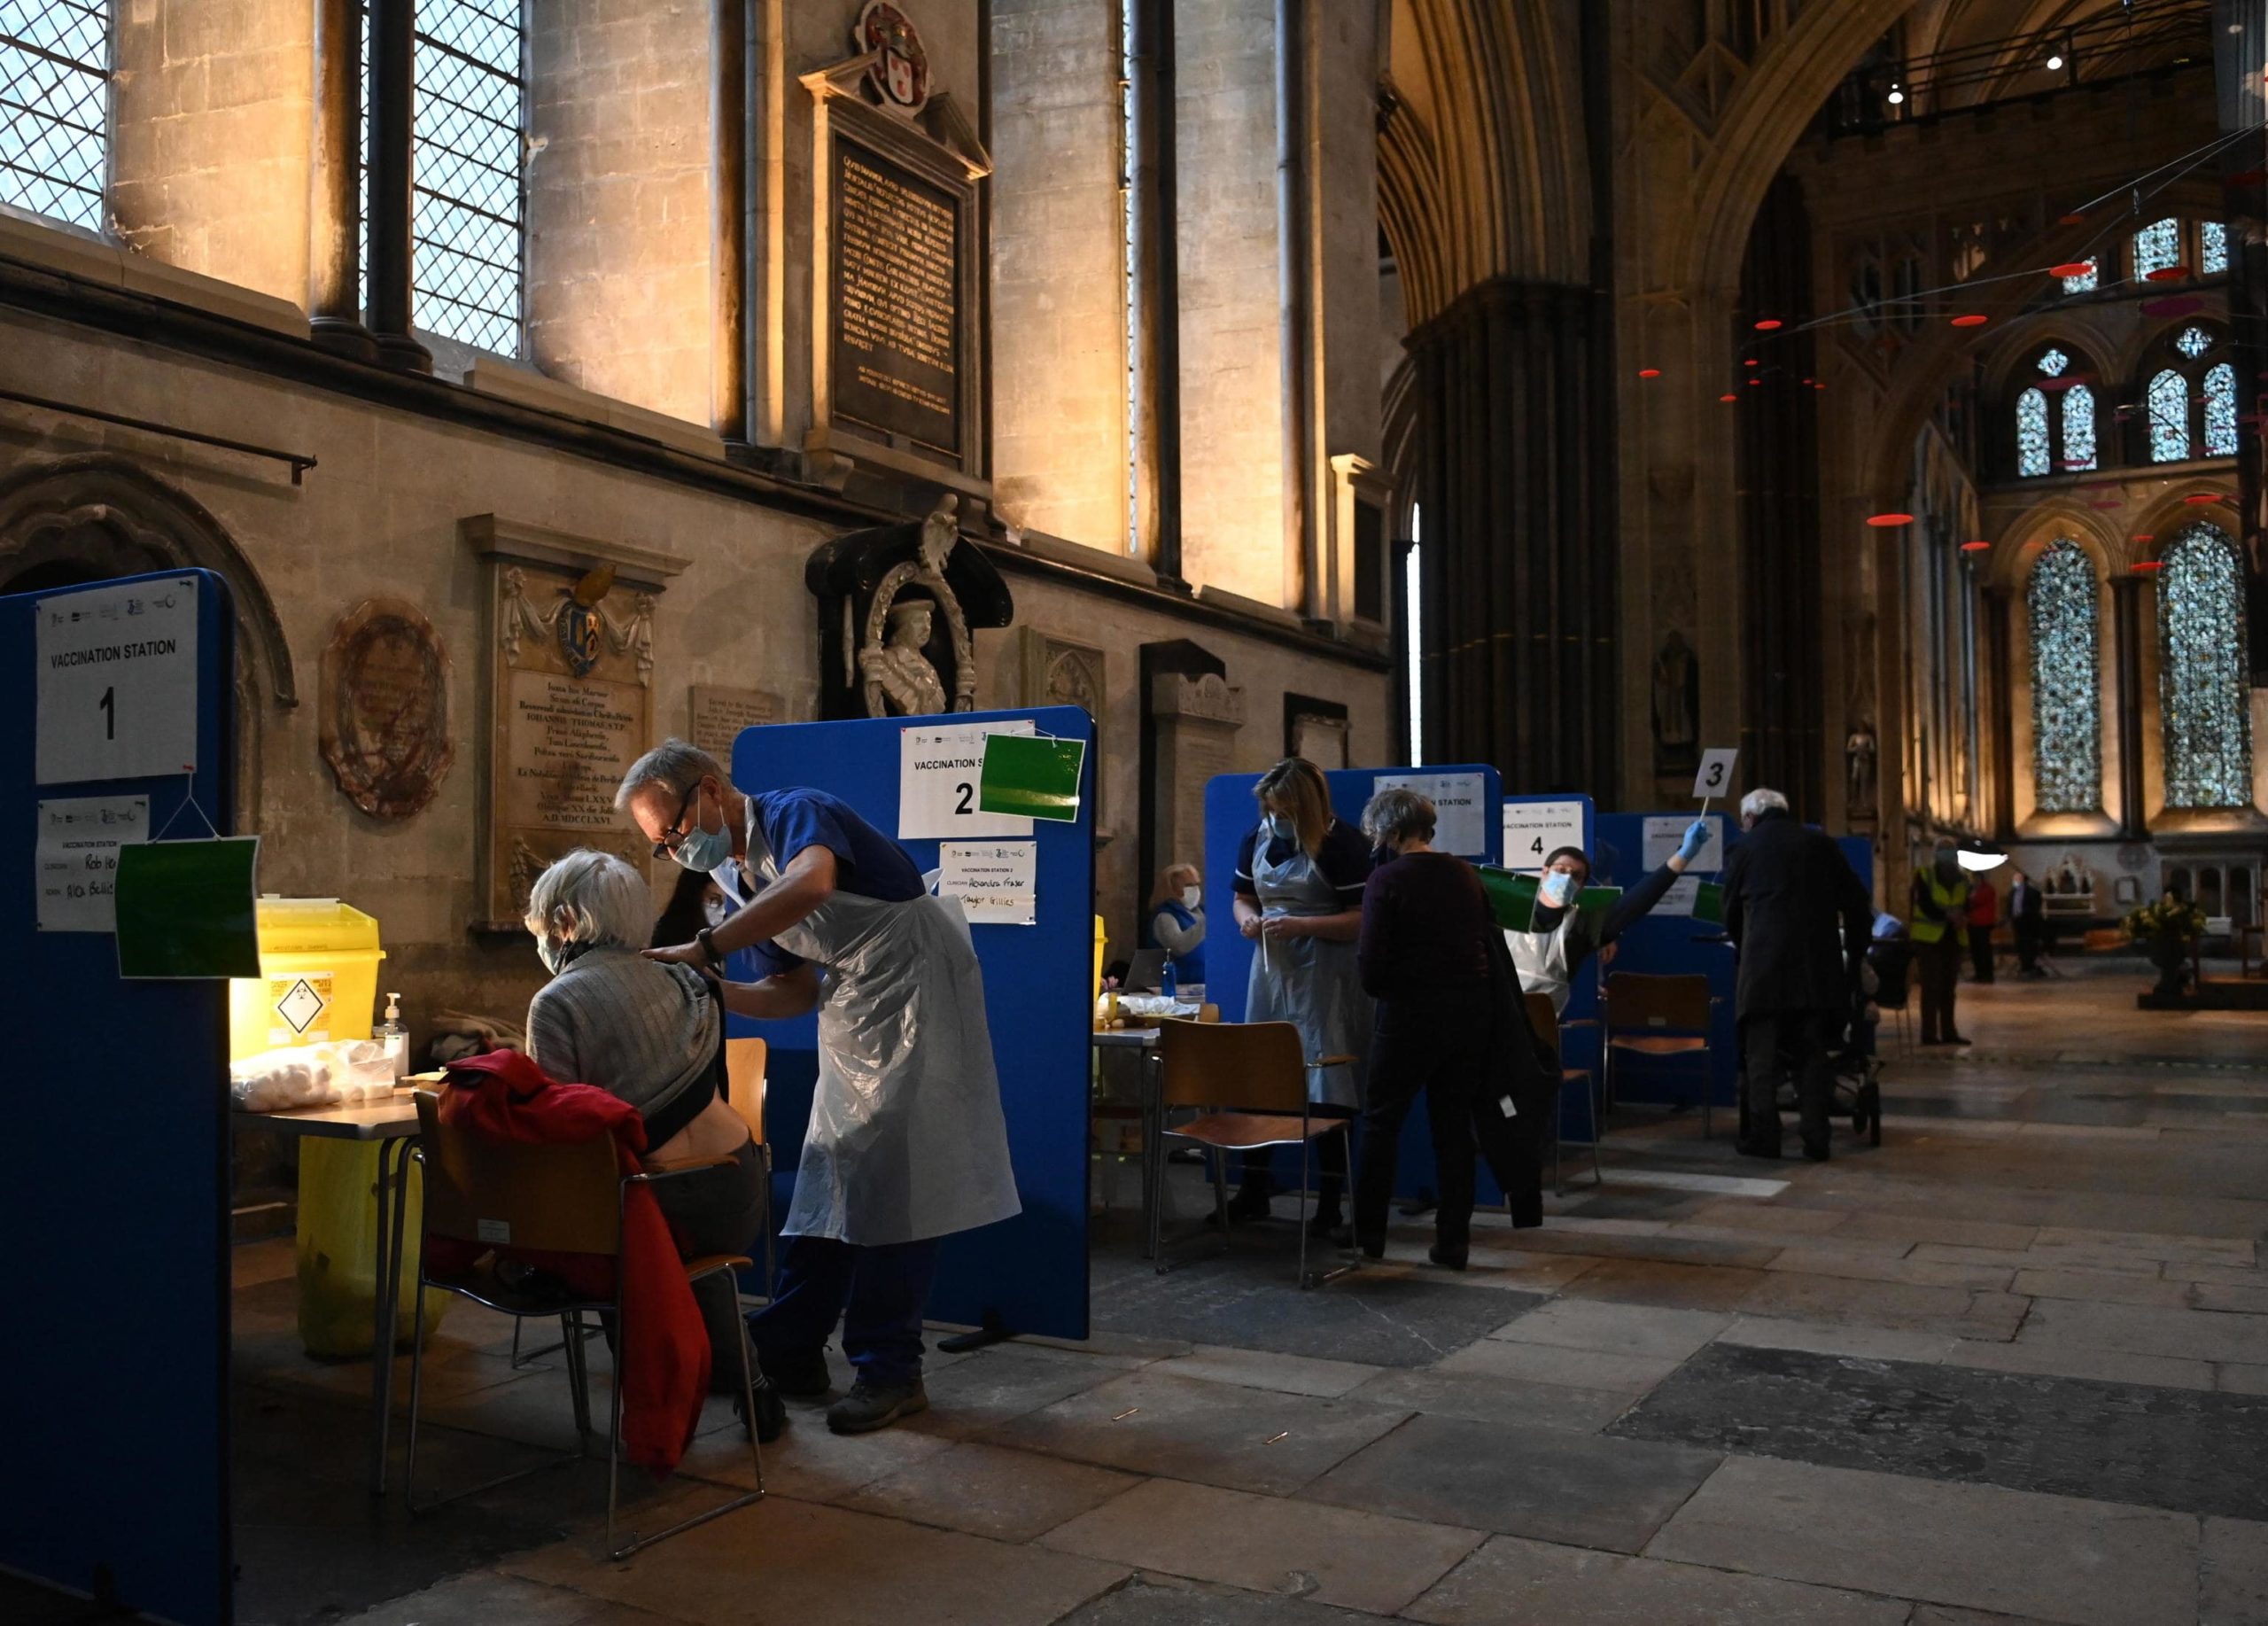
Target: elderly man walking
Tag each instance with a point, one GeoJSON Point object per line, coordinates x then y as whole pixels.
{"type": "Point", "coordinates": [1799, 919]}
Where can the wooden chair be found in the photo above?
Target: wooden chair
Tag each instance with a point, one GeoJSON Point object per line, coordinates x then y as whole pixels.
{"type": "Point", "coordinates": [1249, 1083]}
{"type": "Point", "coordinates": [564, 1199]}
{"type": "Point", "coordinates": [745, 1075]}
{"type": "Point", "coordinates": [1658, 1016]}
{"type": "Point", "coordinates": [1544, 1018]}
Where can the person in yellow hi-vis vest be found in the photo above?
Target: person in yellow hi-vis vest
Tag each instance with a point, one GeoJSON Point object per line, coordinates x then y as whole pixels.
{"type": "Point", "coordinates": [1939, 925]}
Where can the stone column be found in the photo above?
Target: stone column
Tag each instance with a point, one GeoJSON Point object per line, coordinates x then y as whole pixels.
{"type": "Point", "coordinates": [1157, 306]}
{"type": "Point", "coordinates": [334, 302]}
{"type": "Point", "coordinates": [2126, 621]}
{"type": "Point", "coordinates": [1518, 584]}
{"type": "Point", "coordinates": [728, 349]}
{"type": "Point", "coordinates": [1999, 601]}
{"type": "Point", "coordinates": [393, 93]}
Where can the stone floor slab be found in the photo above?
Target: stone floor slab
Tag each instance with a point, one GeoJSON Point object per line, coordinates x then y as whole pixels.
{"type": "Point", "coordinates": [986, 1491]}
{"type": "Point", "coordinates": [2177, 1449]}
{"type": "Point", "coordinates": [1672, 1284]}
{"type": "Point", "coordinates": [1215, 1434]}
{"type": "Point", "coordinates": [487, 1599]}
{"type": "Point", "coordinates": [1147, 1602]}
{"type": "Point", "coordinates": [1864, 1343]}
{"type": "Point", "coordinates": [809, 1462]}
{"type": "Point", "coordinates": [1859, 1263]}
{"type": "Point", "coordinates": [1973, 1546]}
{"type": "Point", "coordinates": [793, 1562]}
{"type": "Point", "coordinates": [1290, 1374]}
{"type": "Point", "coordinates": [2104, 1287]}
{"type": "Point", "coordinates": [1645, 1330]}
{"type": "Point", "coordinates": [1251, 1302]}
{"type": "Point", "coordinates": [1584, 1489]}
{"type": "Point", "coordinates": [1342, 1556]}
{"type": "Point", "coordinates": [2235, 1378]}
{"type": "Point", "coordinates": [2186, 1334]}
{"type": "Point", "coordinates": [2232, 1574]}
{"type": "Point", "coordinates": [1918, 1228]}
{"type": "Point", "coordinates": [1956, 1312]}
{"type": "Point", "coordinates": [1550, 1363]}
{"type": "Point", "coordinates": [2053, 1360]}
{"type": "Point", "coordinates": [1005, 1381]}
{"type": "Point", "coordinates": [2219, 1296]}
{"type": "Point", "coordinates": [1511, 1579]}
{"type": "Point", "coordinates": [1484, 1398]}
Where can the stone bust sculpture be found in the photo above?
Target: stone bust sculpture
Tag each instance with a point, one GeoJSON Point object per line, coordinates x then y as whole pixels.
{"type": "Point", "coordinates": [907, 680]}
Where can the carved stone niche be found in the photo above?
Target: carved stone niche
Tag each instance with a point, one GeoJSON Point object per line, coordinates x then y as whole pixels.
{"type": "Point", "coordinates": [385, 708]}
{"type": "Point", "coordinates": [1056, 670]}
{"type": "Point", "coordinates": [1195, 720]}
{"type": "Point", "coordinates": [898, 607]}
{"type": "Point", "coordinates": [567, 700]}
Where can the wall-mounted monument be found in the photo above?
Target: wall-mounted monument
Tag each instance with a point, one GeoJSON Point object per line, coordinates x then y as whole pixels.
{"type": "Point", "coordinates": [896, 365]}
{"type": "Point", "coordinates": [385, 726]}
{"type": "Point", "coordinates": [898, 606]}
{"type": "Point", "coordinates": [567, 703]}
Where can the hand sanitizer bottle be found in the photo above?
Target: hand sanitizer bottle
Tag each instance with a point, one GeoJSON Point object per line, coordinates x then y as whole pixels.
{"type": "Point", "coordinates": [395, 1037]}
{"type": "Point", "coordinates": [1170, 979]}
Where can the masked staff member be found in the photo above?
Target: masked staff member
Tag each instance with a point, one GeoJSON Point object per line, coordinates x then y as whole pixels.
{"type": "Point", "coordinates": [1560, 937]}
{"type": "Point", "coordinates": [907, 1142]}
{"type": "Point", "coordinates": [1299, 896]}
{"type": "Point", "coordinates": [1939, 925]}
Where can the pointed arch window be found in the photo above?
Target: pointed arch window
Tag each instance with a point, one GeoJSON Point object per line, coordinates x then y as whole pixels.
{"type": "Point", "coordinates": [2190, 401]}
{"type": "Point", "coordinates": [2203, 704]}
{"type": "Point", "coordinates": [2061, 611]}
{"type": "Point", "coordinates": [2200, 247]}
{"type": "Point", "coordinates": [2057, 435]}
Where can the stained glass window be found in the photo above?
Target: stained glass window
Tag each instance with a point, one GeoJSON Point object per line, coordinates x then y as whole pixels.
{"type": "Point", "coordinates": [2066, 692]}
{"type": "Point", "coordinates": [2032, 454]}
{"type": "Point", "coordinates": [2156, 247]}
{"type": "Point", "coordinates": [2193, 342]}
{"type": "Point", "coordinates": [465, 270]}
{"type": "Point", "coordinates": [2212, 248]}
{"type": "Point", "coordinates": [2079, 427]}
{"type": "Point", "coordinates": [2053, 362]}
{"type": "Point", "coordinates": [2084, 282]}
{"type": "Point", "coordinates": [2169, 417]}
{"type": "Point", "coordinates": [55, 107]}
{"type": "Point", "coordinates": [2203, 704]}
{"type": "Point", "coordinates": [2220, 411]}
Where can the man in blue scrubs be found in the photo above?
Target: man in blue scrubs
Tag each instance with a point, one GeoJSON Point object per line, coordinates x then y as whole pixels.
{"type": "Point", "coordinates": [906, 1143]}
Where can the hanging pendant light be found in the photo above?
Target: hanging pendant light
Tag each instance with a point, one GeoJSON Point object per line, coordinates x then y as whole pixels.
{"type": "Point", "coordinates": [1887, 522]}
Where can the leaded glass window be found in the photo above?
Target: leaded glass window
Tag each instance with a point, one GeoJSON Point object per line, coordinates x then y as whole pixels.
{"type": "Point", "coordinates": [2053, 361]}
{"type": "Point", "coordinates": [465, 271]}
{"type": "Point", "coordinates": [2169, 402]}
{"type": "Point", "coordinates": [2032, 454]}
{"type": "Point", "coordinates": [2193, 342]}
{"type": "Point", "coordinates": [55, 108]}
{"type": "Point", "coordinates": [2079, 427]}
{"type": "Point", "coordinates": [2156, 247]}
{"type": "Point", "coordinates": [2085, 280]}
{"type": "Point", "coordinates": [2066, 692]}
{"type": "Point", "coordinates": [2212, 248]}
{"type": "Point", "coordinates": [2220, 411]}
{"type": "Point", "coordinates": [2203, 704]}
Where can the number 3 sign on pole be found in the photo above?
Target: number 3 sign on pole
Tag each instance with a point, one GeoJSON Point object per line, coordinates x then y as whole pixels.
{"type": "Point", "coordinates": [1715, 778]}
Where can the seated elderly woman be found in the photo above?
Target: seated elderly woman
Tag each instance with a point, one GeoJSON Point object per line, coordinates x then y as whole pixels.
{"type": "Point", "coordinates": [653, 1035]}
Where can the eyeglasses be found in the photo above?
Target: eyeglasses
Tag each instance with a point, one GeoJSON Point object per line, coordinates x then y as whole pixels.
{"type": "Point", "coordinates": [673, 837]}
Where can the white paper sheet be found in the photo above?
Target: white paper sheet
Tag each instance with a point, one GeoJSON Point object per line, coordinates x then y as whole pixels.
{"type": "Point", "coordinates": [117, 681]}
{"type": "Point", "coordinates": [77, 858]}
{"type": "Point", "coordinates": [997, 881]}
{"type": "Point", "coordinates": [1663, 834]}
{"type": "Point", "coordinates": [1461, 823]}
{"type": "Point", "coordinates": [939, 772]}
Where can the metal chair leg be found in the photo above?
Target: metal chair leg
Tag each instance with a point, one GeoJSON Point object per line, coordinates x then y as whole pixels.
{"type": "Point", "coordinates": [577, 1372]}
{"type": "Point", "coordinates": [1307, 1148]}
{"type": "Point", "coordinates": [1558, 1138]}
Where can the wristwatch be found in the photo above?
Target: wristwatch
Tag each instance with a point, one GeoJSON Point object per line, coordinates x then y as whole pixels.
{"type": "Point", "coordinates": [707, 940]}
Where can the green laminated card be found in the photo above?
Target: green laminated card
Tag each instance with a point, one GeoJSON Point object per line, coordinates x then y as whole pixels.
{"type": "Point", "coordinates": [1029, 776]}
{"type": "Point", "coordinates": [1511, 897]}
{"type": "Point", "coordinates": [186, 908]}
{"type": "Point", "coordinates": [1709, 903]}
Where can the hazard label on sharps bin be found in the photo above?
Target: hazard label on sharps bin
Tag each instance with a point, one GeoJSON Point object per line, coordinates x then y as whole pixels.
{"type": "Point", "coordinates": [301, 1005]}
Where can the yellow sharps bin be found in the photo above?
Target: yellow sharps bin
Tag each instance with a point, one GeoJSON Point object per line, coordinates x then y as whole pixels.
{"type": "Point", "coordinates": [318, 982]}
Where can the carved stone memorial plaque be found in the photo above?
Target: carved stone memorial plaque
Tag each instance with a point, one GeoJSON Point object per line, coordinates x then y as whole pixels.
{"type": "Point", "coordinates": [568, 702]}
{"type": "Point", "coordinates": [896, 306]}
{"type": "Point", "coordinates": [385, 708]}
{"type": "Point", "coordinates": [719, 713]}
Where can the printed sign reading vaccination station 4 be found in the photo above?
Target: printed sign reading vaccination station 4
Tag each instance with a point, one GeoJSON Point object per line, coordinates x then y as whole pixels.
{"type": "Point", "coordinates": [117, 681]}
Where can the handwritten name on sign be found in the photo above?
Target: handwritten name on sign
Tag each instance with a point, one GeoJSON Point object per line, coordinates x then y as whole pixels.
{"type": "Point", "coordinates": [77, 861]}
{"type": "Point", "coordinates": [117, 681]}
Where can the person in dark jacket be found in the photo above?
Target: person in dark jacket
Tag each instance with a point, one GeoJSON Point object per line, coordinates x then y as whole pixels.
{"type": "Point", "coordinates": [1801, 921]}
{"type": "Point", "coordinates": [1425, 955]}
{"type": "Point", "coordinates": [2028, 916]}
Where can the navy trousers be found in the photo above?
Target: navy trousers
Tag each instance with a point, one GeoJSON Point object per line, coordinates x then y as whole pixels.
{"type": "Point", "coordinates": [876, 1293]}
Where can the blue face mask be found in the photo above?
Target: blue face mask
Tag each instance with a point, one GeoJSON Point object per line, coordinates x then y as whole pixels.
{"type": "Point", "coordinates": [1279, 827]}
{"type": "Point", "coordinates": [704, 850]}
{"type": "Point", "coordinates": [1557, 887]}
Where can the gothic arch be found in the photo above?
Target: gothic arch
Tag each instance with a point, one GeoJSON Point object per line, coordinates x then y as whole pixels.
{"type": "Point", "coordinates": [2022, 539]}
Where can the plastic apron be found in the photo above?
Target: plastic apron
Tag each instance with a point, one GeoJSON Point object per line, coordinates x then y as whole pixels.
{"type": "Point", "coordinates": [907, 1139]}
{"type": "Point", "coordinates": [1313, 985]}
{"type": "Point", "coordinates": [1543, 961]}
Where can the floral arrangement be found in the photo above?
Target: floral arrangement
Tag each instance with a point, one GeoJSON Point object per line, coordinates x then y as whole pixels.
{"type": "Point", "coordinates": [2169, 918]}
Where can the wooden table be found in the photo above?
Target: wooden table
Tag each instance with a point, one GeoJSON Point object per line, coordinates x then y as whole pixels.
{"type": "Point", "coordinates": [392, 1124]}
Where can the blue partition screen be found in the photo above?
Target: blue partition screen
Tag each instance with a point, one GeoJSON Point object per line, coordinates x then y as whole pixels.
{"type": "Point", "coordinates": [114, 1226]}
{"type": "Point", "coordinates": [1028, 1275]}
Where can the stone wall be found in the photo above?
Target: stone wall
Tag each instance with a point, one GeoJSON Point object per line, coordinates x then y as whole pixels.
{"type": "Point", "coordinates": [621, 219]}
{"type": "Point", "coordinates": [1058, 305]}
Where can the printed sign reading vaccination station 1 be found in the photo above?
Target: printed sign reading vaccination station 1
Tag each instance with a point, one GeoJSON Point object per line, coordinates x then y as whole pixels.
{"type": "Point", "coordinates": [117, 681]}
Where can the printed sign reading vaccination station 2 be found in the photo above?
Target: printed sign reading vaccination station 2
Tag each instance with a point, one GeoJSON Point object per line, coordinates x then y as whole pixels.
{"type": "Point", "coordinates": [117, 681]}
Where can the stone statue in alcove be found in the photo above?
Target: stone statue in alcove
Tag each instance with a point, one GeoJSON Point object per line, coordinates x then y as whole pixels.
{"type": "Point", "coordinates": [1859, 771]}
{"type": "Point", "coordinates": [909, 684]}
{"type": "Point", "coordinates": [1677, 706]}
{"type": "Point", "coordinates": [898, 607]}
